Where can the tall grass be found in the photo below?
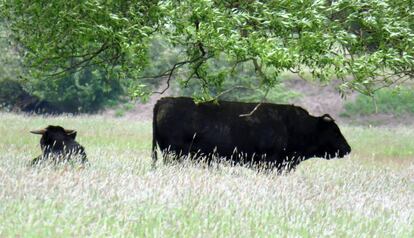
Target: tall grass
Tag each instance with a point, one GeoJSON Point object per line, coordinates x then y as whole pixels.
{"type": "Point", "coordinates": [369, 194]}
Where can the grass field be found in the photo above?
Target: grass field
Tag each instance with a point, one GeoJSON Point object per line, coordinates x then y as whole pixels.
{"type": "Point", "coordinates": [369, 194]}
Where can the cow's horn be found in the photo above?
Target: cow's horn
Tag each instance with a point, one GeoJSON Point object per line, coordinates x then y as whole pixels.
{"type": "Point", "coordinates": [69, 131]}
{"type": "Point", "coordinates": [327, 118]}
{"type": "Point", "coordinates": [39, 132]}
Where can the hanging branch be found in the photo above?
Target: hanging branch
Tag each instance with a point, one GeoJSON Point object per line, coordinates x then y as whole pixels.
{"type": "Point", "coordinates": [83, 63]}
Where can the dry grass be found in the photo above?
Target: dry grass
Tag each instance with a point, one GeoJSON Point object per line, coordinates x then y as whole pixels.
{"type": "Point", "coordinates": [369, 194]}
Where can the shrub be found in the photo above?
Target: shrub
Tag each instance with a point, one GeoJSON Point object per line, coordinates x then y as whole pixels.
{"type": "Point", "coordinates": [393, 101]}
{"type": "Point", "coordinates": [88, 90]}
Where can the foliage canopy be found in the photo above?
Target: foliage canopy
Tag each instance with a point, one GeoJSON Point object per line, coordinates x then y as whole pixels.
{"type": "Point", "coordinates": [368, 44]}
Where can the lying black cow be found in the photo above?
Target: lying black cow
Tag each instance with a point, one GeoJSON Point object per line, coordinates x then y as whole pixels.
{"type": "Point", "coordinates": [279, 136]}
{"type": "Point", "coordinates": [59, 145]}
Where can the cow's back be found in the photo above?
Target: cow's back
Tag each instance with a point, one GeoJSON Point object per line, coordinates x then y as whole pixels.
{"type": "Point", "coordinates": [182, 126]}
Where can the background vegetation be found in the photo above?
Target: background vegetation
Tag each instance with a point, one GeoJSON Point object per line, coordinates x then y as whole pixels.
{"type": "Point", "coordinates": [90, 90]}
{"type": "Point", "coordinates": [366, 44]}
{"type": "Point", "coordinates": [392, 101]}
{"type": "Point", "coordinates": [87, 90]}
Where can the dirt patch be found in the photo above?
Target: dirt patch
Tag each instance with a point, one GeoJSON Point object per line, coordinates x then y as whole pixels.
{"type": "Point", "coordinates": [141, 111]}
{"type": "Point", "coordinates": [318, 99]}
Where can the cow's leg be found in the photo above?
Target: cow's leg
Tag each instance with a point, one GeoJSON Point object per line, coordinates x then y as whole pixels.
{"type": "Point", "coordinates": [171, 154]}
{"type": "Point", "coordinates": [154, 155]}
{"type": "Point", "coordinates": [155, 141]}
{"type": "Point", "coordinates": [287, 164]}
{"type": "Point", "coordinates": [36, 160]}
{"type": "Point", "coordinates": [168, 157]}
{"type": "Point", "coordinates": [277, 162]}
{"type": "Point", "coordinates": [293, 163]}
{"type": "Point", "coordinates": [83, 156]}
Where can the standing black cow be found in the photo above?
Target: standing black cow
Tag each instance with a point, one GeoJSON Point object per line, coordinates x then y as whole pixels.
{"type": "Point", "coordinates": [279, 136]}
{"type": "Point", "coordinates": [58, 144]}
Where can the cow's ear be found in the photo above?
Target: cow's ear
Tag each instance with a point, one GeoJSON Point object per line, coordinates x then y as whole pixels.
{"type": "Point", "coordinates": [71, 133]}
{"type": "Point", "coordinates": [327, 118]}
{"type": "Point", "coordinates": [39, 132]}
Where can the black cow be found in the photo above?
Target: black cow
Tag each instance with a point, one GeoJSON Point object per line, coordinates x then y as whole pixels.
{"type": "Point", "coordinates": [279, 136]}
{"type": "Point", "coordinates": [58, 144]}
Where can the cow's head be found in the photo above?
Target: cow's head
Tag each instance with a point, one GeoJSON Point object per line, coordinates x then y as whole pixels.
{"type": "Point", "coordinates": [55, 138]}
{"type": "Point", "coordinates": [328, 139]}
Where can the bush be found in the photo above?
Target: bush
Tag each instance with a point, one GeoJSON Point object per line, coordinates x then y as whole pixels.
{"type": "Point", "coordinates": [14, 98]}
{"type": "Point", "coordinates": [85, 91]}
{"type": "Point", "coordinates": [392, 101]}
{"type": "Point", "coordinates": [88, 90]}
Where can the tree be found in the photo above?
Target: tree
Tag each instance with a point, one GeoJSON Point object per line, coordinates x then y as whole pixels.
{"type": "Point", "coordinates": [368, 44]}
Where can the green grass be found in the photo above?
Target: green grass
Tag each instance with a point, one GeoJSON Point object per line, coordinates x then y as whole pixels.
{"type": "Point", "coordinates": [368, 194]}
{"type": "Point", "coordinates": [387, 101]}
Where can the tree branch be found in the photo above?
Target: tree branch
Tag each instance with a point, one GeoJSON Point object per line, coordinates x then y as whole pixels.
{"type": "Point", "coordinates": [257, 106]}
{"type": "Point", "coordinates": [251, 113]}
{"type": "Point", "coordinates": [80, 63]}
{"type": "Point", "coordinates": [170, 72]}
{"type": "Point", "coordinates": [231, 89]}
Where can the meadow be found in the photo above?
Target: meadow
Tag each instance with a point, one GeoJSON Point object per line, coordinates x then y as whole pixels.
{"type": "Point", "coordinates": [368, 194]}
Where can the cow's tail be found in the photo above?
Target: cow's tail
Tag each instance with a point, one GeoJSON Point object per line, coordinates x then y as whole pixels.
{"type": "Point", "coordinates": [154, 137]}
